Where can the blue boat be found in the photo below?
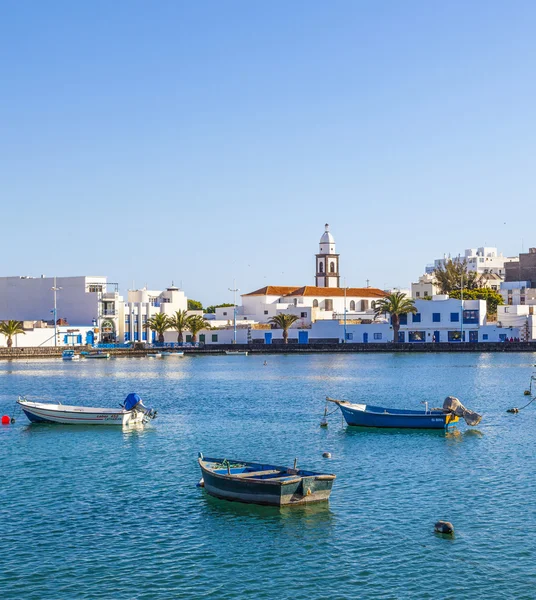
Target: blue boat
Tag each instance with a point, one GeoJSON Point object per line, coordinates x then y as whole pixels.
{"type": "Point", "coordinates": [366, 415]}
{"type": "Point", "coordinates": [259, 483]}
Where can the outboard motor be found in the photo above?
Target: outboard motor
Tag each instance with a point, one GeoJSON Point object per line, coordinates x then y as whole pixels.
{"type": "Point", "coordinates": [134, 403]}
{"type": "Point", "coordinates": [454, 406]}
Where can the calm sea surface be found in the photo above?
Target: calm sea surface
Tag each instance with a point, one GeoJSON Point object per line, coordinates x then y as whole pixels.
{"type": "Point", "coordinates": [105, 513]}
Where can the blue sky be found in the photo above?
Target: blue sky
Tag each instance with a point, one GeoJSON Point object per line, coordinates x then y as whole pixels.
{"type": "Point", "coordinates": [203, 142]}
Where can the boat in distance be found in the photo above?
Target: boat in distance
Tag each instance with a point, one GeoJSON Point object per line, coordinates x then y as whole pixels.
{"type": "Point", "coordinates": [70, 355]}
{"type": "Point", "coordinates": [366, 415]}
{"type": "Point", "coordinates": [236, 352]}
{"type": "Point", "coordinates": [95, 354]}
{"type": "Point", "coordinates": [261, 483]}
{"type": "Point", "coordinates": [131, 412]}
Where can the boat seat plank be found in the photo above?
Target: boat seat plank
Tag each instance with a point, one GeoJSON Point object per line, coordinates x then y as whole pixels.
{"type": "Point", "coordinates": [256, 473]}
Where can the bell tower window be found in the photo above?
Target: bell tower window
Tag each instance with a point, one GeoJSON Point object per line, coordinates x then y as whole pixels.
{"type": "Point", "coordinates": [332, 267]}
{"type": "Point", "coordinates": [320, 267]}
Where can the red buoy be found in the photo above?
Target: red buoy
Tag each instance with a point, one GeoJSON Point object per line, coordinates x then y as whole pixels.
{"type": "Point", "coordinates": [6, 420]}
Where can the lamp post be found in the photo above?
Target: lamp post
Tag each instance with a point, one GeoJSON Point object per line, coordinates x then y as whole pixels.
{"type": "Point", "coordinates": [234, 290]}
{"type": "Point", "coordinates": [55, 289]}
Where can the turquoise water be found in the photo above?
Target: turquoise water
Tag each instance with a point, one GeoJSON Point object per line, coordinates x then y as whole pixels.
{"type": "Point", "coordinates": [104, 513]}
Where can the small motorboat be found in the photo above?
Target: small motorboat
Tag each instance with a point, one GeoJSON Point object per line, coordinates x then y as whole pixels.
{"type": "Point", "coordinates": [131, 412]}
{"type": "Point", "coordinates": [96, 354]}
{"type": "Point", "coordinates": [259, 483]}
{"type": "Point", "coordinates": [70, 355]}
{"type": "Point", "coordinates": [176, 354]}
{"type": "Point", "coordinates": [236, 352]}
{"type": "Point", "coordinates": [366, 415]}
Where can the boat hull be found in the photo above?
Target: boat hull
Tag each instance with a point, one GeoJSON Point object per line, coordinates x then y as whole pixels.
{"type": "Point", "coordinates": [70, 415]}
{"type": "Point", "coordinates": [288, 490]}
{"type": "Point", "coordinates": [397, 419]}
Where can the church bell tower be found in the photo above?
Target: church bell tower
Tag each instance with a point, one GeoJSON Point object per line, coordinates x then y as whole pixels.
{"type": "Point", "coordinates": [327, 262]}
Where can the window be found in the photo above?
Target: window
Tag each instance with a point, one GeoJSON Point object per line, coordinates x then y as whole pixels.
{"type": "Point", "coordinates": [320, 267]}
{"type": "Point", "coordinates": [144, 319]}
{"type": "Point", "coordinates": [144, 336]}
{"type": "Point", "coordinates": [455, 336]}
{"type": "Point", "coordinates": [403, 320]}
{"type": "Point", "coordinates": [332, 267]}
{"type": "Point", "coordinates": [349, 336]}
{"type": "Point", "coordinates": [522, 300]}
{"type": "Point", "coordinates": [315, 303]}
{"type": "Point", "coordinates": [377, 336]}
{"type": "Point", "coordinates": [94, 287]}
{"type": "Point", "coordinates": [454, 317]}
{"type": "Point", "coordinates": [265, 312]}
{"type": "Point", "coordinates": [425, 294]}
{"type": "Point", "coordinates": [417, 294]}
{"type": "Point", "coordinates": [303, 315]}
{"type": "Point", "coordinates": [214, 337]}
{"type": "Point", "coordinates": [127, 319]}
{"type": "Point", "coordinates": [470, 317]}
{"type": "Point", "coordinates": [225, 314]}
{"type": "Point", "coordinates": [416, 318]}
{"type": "Point", "coordinates": [416, 336]}
{"type": "Point", "coordinates": [436, 317]}
{"type": "Point", "coordinates": [188, 339]}
{"type": "Point", "coordinates": [484, 336]}
{"type": "Point", "coordinates": [364, 305]}
{"type": "Point", "coordinates": [202, 338]}
{"type": "Point", "coordinates": [352, 305]}
{"type": "Point", "coordinates": [328, 304]}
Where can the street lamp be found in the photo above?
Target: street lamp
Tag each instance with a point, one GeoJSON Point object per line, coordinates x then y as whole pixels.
{"type": "Point", "coordinates": [55, 289]}
{"type": "Point", "coordinates": [234, 290]}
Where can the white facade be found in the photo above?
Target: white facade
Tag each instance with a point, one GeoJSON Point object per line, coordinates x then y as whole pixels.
{"type": "Point", "coordinates": [522, 317]}
{"type": "Point", "coordinates": [32, 298]}
{"type": "Point", "coordinates": [42, 335]}
{"type": "Point", "coordinates": [518, 293]}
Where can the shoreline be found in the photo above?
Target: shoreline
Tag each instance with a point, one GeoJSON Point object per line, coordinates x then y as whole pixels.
{"type": "Point", "coordinates": [261, 349]}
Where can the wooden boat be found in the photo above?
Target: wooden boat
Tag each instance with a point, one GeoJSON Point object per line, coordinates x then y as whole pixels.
{"type": "Point", "coordinates": [366, 415]}
{"type": "Point", "coordinates": [70, 355]}
{"type": "Point", "coordinates": [259, 483]}
{"type": "Point", "coordinates": [236, 352]}
{"type": "Point", "coordinates": [131, 412]}
{"type": "Point", "coordinates": [96, 354]}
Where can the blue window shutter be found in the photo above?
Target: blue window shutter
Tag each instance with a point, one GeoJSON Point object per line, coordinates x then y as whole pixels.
{"type": "Point", "coordinates": [65, 339]}
{"type": "Point", "coordinates": [78, 339]}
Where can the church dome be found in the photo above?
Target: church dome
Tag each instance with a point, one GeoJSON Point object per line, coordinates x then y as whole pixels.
{"type": "Point", "coordinates": [327, 238]}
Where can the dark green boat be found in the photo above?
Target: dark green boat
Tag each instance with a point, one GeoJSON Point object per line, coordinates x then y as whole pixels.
{"type": "Point", "coordinates": [258, 483]}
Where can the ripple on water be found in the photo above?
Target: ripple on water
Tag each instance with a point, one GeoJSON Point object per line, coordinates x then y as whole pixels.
{"type": "Point", "coordinates": [101, 513]}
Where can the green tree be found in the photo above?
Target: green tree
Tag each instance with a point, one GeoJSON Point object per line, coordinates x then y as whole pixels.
{"type": "Point", "coordinates": [160, 324]}
{"type": "Point", "coordinates": [284, 321]}
{"type": "Point", "coordinates": [453, 274]}
{"type": "Point", "coordinates": [179, 322]}
{"type": "Point", "coordinates": [395, 304]}
{"type": "Point", "coordinates": [11, 328]}
{"type": "Point", "coordinates": [195, 324]}
{"type": "Point", "coordinates": [194, 305]}
{"type": "Point", "coordinates": [492, 298]}
{"type": "Point", "coordinates": [212, 308]}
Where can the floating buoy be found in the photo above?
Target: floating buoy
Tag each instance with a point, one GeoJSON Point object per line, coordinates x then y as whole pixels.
{"type": "Point", "coordinates": [6, 420]}
{"type": "Point", "coordinates": [513, 410]}
{"type": "Point", "coordinates": [327, 455]}
{"type": "Point", "coordinates": [444, 527]}
{"type": "Point", "coordinates": [201, 483]}
{"type": "Point", "coordinates": [526, 393]}
{"type": "Point", "coordinates": [324, 423]}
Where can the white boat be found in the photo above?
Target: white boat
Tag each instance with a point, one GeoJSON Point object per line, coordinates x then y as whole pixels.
{"type": "Point", "coordinates": [175, 354]}
{"type": "Point", "coordinates": [131, 412]}
{"type": "Point", "coordinates": [96, 354]}
{"type": "Point", "coordinates": [236, 352]}
{"type": "Point", "coordinates": [70, 355]}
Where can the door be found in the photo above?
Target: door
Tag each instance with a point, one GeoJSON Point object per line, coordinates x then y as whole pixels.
{"type": "Point", "coordinates": [268, 338]}
{"type": "Point", "coordinates": [365, 338]}
{"type": "Point", "coordinates": [473, 336]}
{"type": "Point", "coordinates": [90, 338]}
{"type": "Point", "coordinates": [436, 337]}
{"type": "Point", "coordinates": [303, 337]}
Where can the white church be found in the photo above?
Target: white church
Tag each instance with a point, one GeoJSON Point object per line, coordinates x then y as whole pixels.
{"type": "Point", "coordinates": [324, 301]}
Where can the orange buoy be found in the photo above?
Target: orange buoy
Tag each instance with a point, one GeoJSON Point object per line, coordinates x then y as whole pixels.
{"type": "Point", "coordinates": [6, 420]}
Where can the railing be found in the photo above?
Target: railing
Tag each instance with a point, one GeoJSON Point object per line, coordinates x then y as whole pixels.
{"type": "Point", "coordinates": [176, 345]}
{"type": "Point", "coordinates": [109, 313]}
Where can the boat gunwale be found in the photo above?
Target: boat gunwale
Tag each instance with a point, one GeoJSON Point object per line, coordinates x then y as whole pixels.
{"type": "Point", "coordinates": [75, 409]}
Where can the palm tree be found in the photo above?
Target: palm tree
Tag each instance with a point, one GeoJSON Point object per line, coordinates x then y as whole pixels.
{"type": "Point", "coordinates": [195, 323]}
{"type": "Point", "coordinates": [284, 321]}
{"type": "Point", "coordinates": [159, 323]}
{"type": "Point", "coordinates": [11, 328]}
{"type": "Point", "coordinates": [395, 304]}
{"type": "Point", "coordinates": [179, 322]}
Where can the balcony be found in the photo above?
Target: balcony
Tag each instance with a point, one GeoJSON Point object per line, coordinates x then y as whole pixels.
{"type": "Point", "coordinates": [109, 312]}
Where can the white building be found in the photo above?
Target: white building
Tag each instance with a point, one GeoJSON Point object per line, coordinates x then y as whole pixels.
{"type": "Point", "coordinates": [482, 260]}
{"type": "Point", "coordinates": [426, 287]}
